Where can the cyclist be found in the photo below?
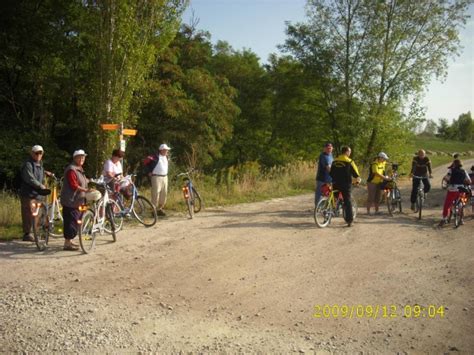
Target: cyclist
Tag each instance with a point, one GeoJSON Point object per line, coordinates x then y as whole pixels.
{"type": "Point", "coordinates": [455, 177]}
{"type": "Point", "coordinates": [113, 170]}
{"type": "Point", "coordinates": [32, 181]}
{"type": "Point", "coordinates": [420, 166]}
{"type": "Point", "coordinates": [324, 167]}
{"type": "Point", "coordinates": [73, 195]}
{"type": "Point", "coordinates": [343, 169]}
{"type": "Point", "coordinates": [113, 173]}
{"type": "Point", "coordinates": [375, 180]}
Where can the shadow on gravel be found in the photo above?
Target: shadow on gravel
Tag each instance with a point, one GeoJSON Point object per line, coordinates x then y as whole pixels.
{"type": "Point", "coordinates": [27, 250]}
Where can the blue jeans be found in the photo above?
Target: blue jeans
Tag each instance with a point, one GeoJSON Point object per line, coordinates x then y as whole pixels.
{"type": "Point", "coordinates": [317, 194]}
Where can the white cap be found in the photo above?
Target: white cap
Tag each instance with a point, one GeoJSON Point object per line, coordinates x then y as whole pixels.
{"type": "Point", "coordinates": [37, 148]}
{"type": "Point", "coordinates": [383, 155]}
{"type": "Point", "coordinates": [164, 147]}
{"type": "Point", "coordinates": [78, 152]}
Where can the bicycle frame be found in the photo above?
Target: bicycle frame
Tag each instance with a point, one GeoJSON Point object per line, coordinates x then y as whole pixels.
{"type": "Point", "coordinates": [119, 197]}
{"type": "Point", "coordinates": [54, 210]}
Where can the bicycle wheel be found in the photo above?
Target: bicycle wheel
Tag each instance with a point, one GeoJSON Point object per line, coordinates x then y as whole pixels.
{"type": "Point", "coordinates": [323, 213]}
{"type": "Point", "coordinates": [419, 204]}
{"type": "Point", "coordinates": [117, 217]}
{"type": "Point", "coordinates": [87, 234]}
{"type": "Point", "coordinates": [398, 199]}
{"type": "Point", "coordinates": [354, 209]}
{"type": "Point", "coordinates": [390, 203]}
{"type": "Point", "coordinates": [189, 205]}
{"type": "Point", "coordinates": [55, 220]}
{"type": "Point", "coordinates": [40, 228]}
{"type": "Point", "coordinates": [197, 202]}
{"type": "Point", "coordinates": [144, 211]}
{"type": "Point", "coordinates": [110, 219]}
{"type": "Point", "coordinates": [458, 209]}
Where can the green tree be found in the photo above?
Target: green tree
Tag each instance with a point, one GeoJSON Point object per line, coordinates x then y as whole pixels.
{"type": "Point", "coordinates": [185, 104]}
{"type": "Point", "coordinates": [123, 40]}
{"type": "Point", "coordinates": [252, 127]}
{"type": "Point", "coordinates": [377, 54]}
{"type": "Point", "coordinates": [465, 127]}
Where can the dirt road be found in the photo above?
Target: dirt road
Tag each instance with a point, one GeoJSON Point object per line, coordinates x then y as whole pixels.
{"type": "Point", "coordinates": [249, 278]}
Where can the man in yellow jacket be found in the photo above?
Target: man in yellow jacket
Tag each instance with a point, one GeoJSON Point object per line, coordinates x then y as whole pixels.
{"type": "Point", "coordinates": [343, 169]}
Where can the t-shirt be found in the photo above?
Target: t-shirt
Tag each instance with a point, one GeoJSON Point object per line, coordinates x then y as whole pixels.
{"type": "Point", "coordinates": [161, 167]}
{"type": "Point", "coordinates": [377, 167]}
{"type": "Point", "coordinates": [421, 166]}
{"type": "Point", "coordinates": [110, 166]}
{"type": "Point", "coordinates": [324, 161]}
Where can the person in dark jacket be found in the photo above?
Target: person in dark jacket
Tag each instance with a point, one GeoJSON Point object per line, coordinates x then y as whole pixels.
{"type": "Point", "coordinates": [455, 177]}
{"type": "Point", "coordinates": [421, 167]}
{"type": "Point", "coordinates": [73, 195]}
{"type": "Point", "coordinates": [343, 169]}
{"type": "Point", "coordinates": [32, 181]}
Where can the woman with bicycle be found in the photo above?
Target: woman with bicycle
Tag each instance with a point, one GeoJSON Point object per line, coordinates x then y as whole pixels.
{"type": "Point", "coordinates": [375, 180]}
{"type": "Point", "coordinates": [456, 177]}
{"type": "Point", "coordinates": [73, 194]}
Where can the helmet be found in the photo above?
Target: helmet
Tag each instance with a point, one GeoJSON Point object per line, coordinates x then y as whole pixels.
{"type": "Point", "coordinates": [383, 155]}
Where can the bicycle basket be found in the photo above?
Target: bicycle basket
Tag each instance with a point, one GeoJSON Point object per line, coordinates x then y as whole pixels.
{"type": "Point", "coordinates": [326, 189]}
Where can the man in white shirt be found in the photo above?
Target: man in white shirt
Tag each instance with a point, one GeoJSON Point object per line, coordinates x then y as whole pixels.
{"type": "Point", "coordinates": [159, 180]}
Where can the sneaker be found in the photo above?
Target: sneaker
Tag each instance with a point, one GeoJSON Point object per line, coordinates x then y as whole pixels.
{"type": "Point", "coordinates": [442, 223]}
{"type": "Point", "coordinates": [349, 224]}
{"type": "Point", "coordinates": [160, 213]}
{"type": "Point", "coordinates": [28, 238]}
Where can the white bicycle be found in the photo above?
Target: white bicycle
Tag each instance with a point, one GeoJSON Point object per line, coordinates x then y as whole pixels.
{"type": "Point", "coordinates": [99, 220]}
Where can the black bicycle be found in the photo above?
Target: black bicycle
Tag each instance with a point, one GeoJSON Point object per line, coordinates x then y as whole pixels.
{"type": "Point", "coordinates": [392, 194]}
{"type": "Point", "coordinates": [420, 196]}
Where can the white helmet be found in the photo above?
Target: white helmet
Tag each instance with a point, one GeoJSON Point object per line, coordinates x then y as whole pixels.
{"type": "Point", "coordinates": [383, 155]}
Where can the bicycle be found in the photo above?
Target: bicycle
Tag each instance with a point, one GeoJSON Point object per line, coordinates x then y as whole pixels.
{"type": "Point", "coordinates": [139, 206]}
{"type": "Point", "coordinates": [457, 207]}
{"type": "Point", "coordinates": [393, 195]}
{"type": "Point", "coordinates": [40, 220]}
{"type": "Point", "coordinates": [96, 221]}
{"type": "Point", "coordinates": [420, 196]}
{"type": "Point", "coordinates": [330, 205]}
{"type": "Point", "coordinates": [54, 212]}
{"type": "Point", "coordinates": [191, 196]}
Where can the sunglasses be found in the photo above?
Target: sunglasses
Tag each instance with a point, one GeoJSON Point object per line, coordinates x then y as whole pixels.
{"type": "Point", "coordinates": [38, 153]}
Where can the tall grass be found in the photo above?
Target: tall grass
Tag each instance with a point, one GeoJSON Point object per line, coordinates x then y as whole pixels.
{"type": "Point", "coordinates": [10, 215]}
{"type": "Point", "coordinates": [246, 184]}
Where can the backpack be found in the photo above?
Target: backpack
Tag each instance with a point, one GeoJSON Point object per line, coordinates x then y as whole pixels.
{"type": "Point", "coordinates": [149, 163]}
{"type": "Point", "coordinates": [371, 174]}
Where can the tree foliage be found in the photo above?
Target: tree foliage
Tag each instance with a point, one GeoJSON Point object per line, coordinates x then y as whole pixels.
{"type": "Point", "coordinates": [370, 56]}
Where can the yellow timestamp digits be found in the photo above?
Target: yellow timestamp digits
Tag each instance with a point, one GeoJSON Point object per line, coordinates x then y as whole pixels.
{"type": "Point", "coordinates": [377, 311]}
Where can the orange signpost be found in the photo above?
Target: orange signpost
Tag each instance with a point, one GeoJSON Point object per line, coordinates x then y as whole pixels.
{"type": "Point", "coordinates": [123, 131]}
{"type": "Point", "coordinates": [110, 126]}
{"type": "Point", "coordinates": [129, 132]}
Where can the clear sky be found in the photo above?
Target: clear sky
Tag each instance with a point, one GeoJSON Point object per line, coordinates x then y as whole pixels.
{"type": "Point", "coordinates": [259, 25]}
